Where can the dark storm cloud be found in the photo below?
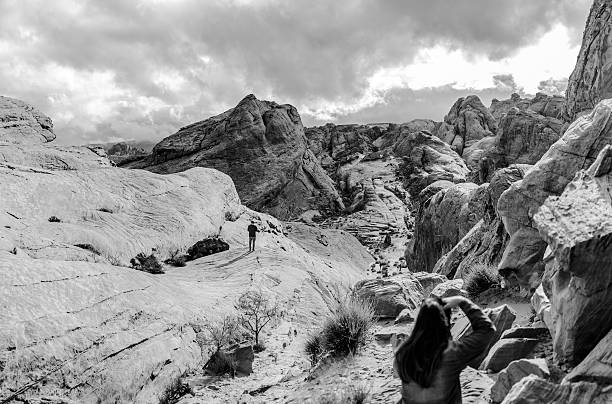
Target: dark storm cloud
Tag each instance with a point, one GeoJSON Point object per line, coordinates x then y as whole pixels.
{"type": "Point", "coordinates": [294, 51]}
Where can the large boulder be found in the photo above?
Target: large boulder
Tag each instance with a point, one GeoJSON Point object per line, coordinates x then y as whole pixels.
{"type": "Point", "coordinates": [514, 372]}
{"type": "Point", "coordinates": [597, 366]}
{"type": "Point", "coordinates": [427, 159]}
{"type": "Point", "coordinates": [441, 220]}
{"type": "Point", "coordinates": [467, 123]}
{"type": "Point", "coordinates": [591, 80]}
{"type": "Point", "coordinates": [475, 386]}
{"type": "Point", "coordinates": [261, 145]}
{"type": "Point", "coordinates": [578, 229]}
{"type": "Point", "coordinates": [22, 123]}
{"type": "Point", "coordinates": [534, 390]}
{"type": "Point", "coordinates": [577, 149]}
{"type": "Point", "coordinates": [390, 296]}
{"type": "Point", "coordinates": [507, 350]}
{"type": "Point", "coordinates": [487, 239]}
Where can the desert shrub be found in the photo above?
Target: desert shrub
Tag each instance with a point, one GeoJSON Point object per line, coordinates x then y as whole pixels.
{"type": "Point", "coordinates": [89, 247]}
{"type": "Point", "coordinates": [350, 394]}
{"type": "Point", "coordinates": [145, 263]}
{"type": "Point", "coordinates": [55, 219]}
{"type": "Point", "coordinates": [480, 278]}
{"type": "Point", "coordinates": [177, 259]}
{"type": "Point", "coordinates": [314, 348]}
{"type": "Point", "coordinates": [175, 391]}
{"type": "Point", "coordinates": [207, 247]}
{"type": "Point", "coordinates": [257, 311]}
{"type": "Point", "coordinates": [344, 331]}
{"type": "Point", "coordinates": [214, 335]}
{"type": "Point", "coordinates": [259, 347]}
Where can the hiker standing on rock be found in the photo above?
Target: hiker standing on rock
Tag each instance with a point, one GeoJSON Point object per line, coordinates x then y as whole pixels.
{"type": "Point", "coordinates": [253, 230]}
{"type": "Point", "coordinates": [429, 362]}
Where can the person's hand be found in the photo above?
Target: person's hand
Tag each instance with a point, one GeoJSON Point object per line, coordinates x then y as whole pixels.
{"type": "Point", "coordinates": [453, 301]}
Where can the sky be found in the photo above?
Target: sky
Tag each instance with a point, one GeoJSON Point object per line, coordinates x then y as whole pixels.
{"type": "Point", "coordinates": [113, 70]}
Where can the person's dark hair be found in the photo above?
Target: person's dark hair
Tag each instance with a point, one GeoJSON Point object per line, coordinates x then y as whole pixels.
{"type": "Point", "coordinates": [419, 356]}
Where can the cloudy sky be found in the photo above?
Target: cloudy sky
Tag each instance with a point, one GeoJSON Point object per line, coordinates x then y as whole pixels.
{"type": "Point", "coordinates": [109, 70]}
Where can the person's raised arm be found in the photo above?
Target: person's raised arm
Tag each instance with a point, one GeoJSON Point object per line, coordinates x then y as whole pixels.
{"type": "Point", "coordinates": [472, 345]}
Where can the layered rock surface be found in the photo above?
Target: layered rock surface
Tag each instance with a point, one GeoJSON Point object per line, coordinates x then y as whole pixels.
{"type": "Point", "coordinates": [577, 227]}
{"type": "Point", "coordinates": [577, 149]}
{"type": "Point", "coordinates": [261, 145]}
{"type": "Point", "coordinates": [591, 80]}
{"type": "Point", "coordinates": [22, 123]}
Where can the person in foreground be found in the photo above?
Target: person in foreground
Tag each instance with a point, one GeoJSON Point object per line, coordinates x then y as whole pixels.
{"type": "Point", "coordinates": [429, 361]}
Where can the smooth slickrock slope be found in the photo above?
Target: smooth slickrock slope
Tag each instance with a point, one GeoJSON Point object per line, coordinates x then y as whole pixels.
{"type": "Point", "coordinates": [591, 80]}
{"type": "Point", "coordinates": [577, 149]}
{"type": "Point", "coordinates": [76, 327]}
{"type": "Point", "coordinates": [22, 123]}
{"type": "Point", "coordinates": [261, 145]}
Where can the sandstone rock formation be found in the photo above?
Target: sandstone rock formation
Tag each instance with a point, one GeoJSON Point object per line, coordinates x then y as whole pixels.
{"type": "Point", "coordinates": [578, 229]}
{"type": "Point", "coordinates": [427, 159]}
{"type": "Point", "coordinates": [532, 389]}
{"type": "Point", "coordinates": [261, 145]}
{"type": "Point", "coordinates": [515, 371]}
{"type": "Point", "coordinates": [591, 80]}
{"type": "Point", "coordinates": [23, 123]}
{"type": "Point", "coordinates": [542, 104]}
{"type": "Point", "coordinates": [485, 242]}
{"type": "Point", "coordinates": [577, 149]}
{"type": "Point", "coordinates": [441, 221]}
{"type": "Point", "coordinates": [467, 123]}
{"type": "Point", "coordinates": [78, 328]}
{"type": "Point", "coordinates": [507, 350]}
{"type": "Point", "coordinates": [390, 296]}
{"type": "Point", "coordinates": [597, 366]}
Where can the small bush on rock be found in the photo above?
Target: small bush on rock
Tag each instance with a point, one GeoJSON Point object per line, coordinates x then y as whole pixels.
{"type": "Point", "coordinates": [343, 332]}
{"type": "Point", "coordinates": [146, 263]}
{"type": "Point", "coordinates": [351, 394]}
{"type": "Point", "coordinates": [177, 259]}
{"type": "Point", "coordinates": [55, 219]}
{"type": "Point", "coordinates": [480, 278]}
{"type": "Point", "coordinates": [206, 247]}
{"type": "Point", "coordinates": [212, 336]}
{"type": "Point", "coordinates": [175, 391]}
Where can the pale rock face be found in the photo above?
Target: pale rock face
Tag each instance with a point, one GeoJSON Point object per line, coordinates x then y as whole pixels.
{"type": "Point", "coordinates": [429, 281]}
{"type": "Point", "coordinates": [390, 296]}
{"type": "Point", "coordinates": [261, 145]}
{"type": "Point", "coordinates": [448, 289]}
{"type": "Point", "coordinates": [339, 144]}
{"type": "Point", "coordinates": [514, 372]}
{"type": "Point", "coordinates": [591, 80]}
{"type": "Point", "coordinates": [577, 149]}
{"type": "Point", "coordinates": [507, 350]}
{"type": "Point", "coordinates": [99, 330]}
{"type": "Point", "coordinates": [21, 123]}
{"type": "Point", "coordinates": [475, 386]}
{"type": "Point", "coordinates": [578, 229]}
{"type": "Point", "coordinates": [532, 389]}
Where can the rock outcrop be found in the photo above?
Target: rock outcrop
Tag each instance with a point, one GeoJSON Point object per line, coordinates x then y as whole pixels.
{"type": "Point", "coordinates": [591, 80]}
{"type": "Point", "coordinates": [22, 123]}
{"type": "Point", "coordinates": [577, 149]}
{"type": "Point", "coordinates": [467, 122]}
{"type": "Point", "coordinates": [441, 221]}
{"type": "Point", "coordinates": [261, 145]}
{"type": "Point", "coordinates": [427, 159]}
{"type": "Point", "coordinates": [542, 104]}
{"type": "Point", "coordinates": [486, 241]}
{"type": "Point", "coordinates": [577, 226]}
{"type": "Point", "coordinates": [532, 389]}
{"type": "Point", "coordinates": [515, 371]}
